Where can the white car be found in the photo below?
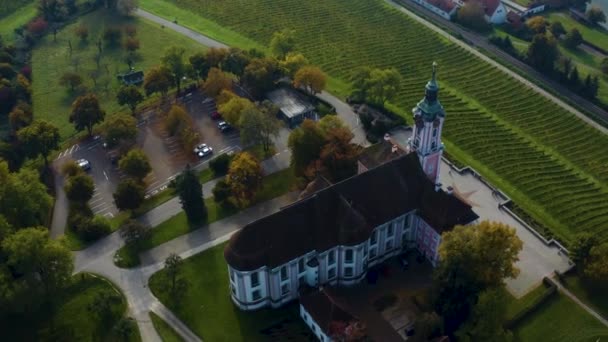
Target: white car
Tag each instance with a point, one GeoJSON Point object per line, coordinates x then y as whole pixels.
{"type": "Point", "coordinates": [84, 164]}
{"type": "Point", "coordinates": [203, 150]}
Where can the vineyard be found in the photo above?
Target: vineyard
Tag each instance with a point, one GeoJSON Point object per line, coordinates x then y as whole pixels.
{"type": "Point", "coordinates": [550, 161]}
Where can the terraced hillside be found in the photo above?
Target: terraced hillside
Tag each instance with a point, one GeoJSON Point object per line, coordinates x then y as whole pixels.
{"type": "Point", "coordinates": [548, 160]}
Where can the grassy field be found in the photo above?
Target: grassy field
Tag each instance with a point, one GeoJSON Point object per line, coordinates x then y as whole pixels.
{"type": "Point", "coordinates": [206, 308]}
{"type": "Point", "coordinates": [72, 319]}
{"type": "Point", "coordinates": [164, 330]}
{"type": "Point", "coordinates": [593, 295]}
{"type": "Point", "coordinates": [560, 319]}
{"type": "Point", "coordinates": [594, 35]}
{"type": "Point", "coordinates": [274, 185]}
{"type": "Point", "coordinates": [19, 17]}
{"type": "Point", "coordinates": [545, 158]}
{"type": "Point", "coordinates": [51, 59]}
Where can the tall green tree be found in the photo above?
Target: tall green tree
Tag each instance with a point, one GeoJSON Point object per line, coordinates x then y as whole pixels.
{"type": "Point", "coordinates": [134, 232]}
{"type": "Point", "coordinates": [258, 128]}
{"type": "Point", "coordinates": [79, 188]}
{"type": "Point", "coordinates": [596, 267]}
{"type": "Point", "coordinates": [305, 143]}
{"type": "Point", "coordinates": [234, 108]}
{"type": "Point", "coordinates": [190, 192]}
{"type": "Point", "coordinates": [24, 200]}
{"type": "Point", "coordinates": [236, 61]}
{"type": "Point", "coordinates": [473, 259]}
{"type": "Point", "coordinates": [157, 80]}
{"type": "Point", "coordinates": [487, 318]}
{"type": "Point", "coordinates": [135, 164]}
{"type": "Point", "coordinates": [543, 53]}
{"type": "Point", "coordinates": [173, 60]}
{"type": "Point", "coordinates": [292, 63]}
{"type": "Point", "coordinates": [573, 39]}
{"type": "Point", "coordinates": [596, 15]}
{"type": "Point", "coordinates": [311, 78]}
{"type": "Point", "coordinates": [172, 267]}
{"type": "Point", "coordinates": [39, 138]}
{"type": "Point", "coordinates": [199, 65]}
{"type": "Point", "coordinates": [129, 195]}
{"type": "Point", "coordinates": [581, 247]}
{"type": "Point", "coordinates": [338, 157]}
{"type": "Point", "coordinates": [119, 129]}
{"type": "Point", "coordinates": [260, 75]}
{"type": "Point", "coordinates": [43, 263]}
{"type": "Point", "coordinates": [282, 43]}
{"type": "Point", "coordinates": [86, 112]}
{"type": "Point", "coordinates": [130, 96]}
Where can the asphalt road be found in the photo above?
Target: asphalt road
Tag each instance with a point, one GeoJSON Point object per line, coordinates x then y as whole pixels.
{"type": "Point", "coordinates": [480, 41]}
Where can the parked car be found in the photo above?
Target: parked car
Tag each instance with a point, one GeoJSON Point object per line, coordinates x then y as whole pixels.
{"type": "Point", "coordinates": [216, 116]}
{"type": "Point", "coordinates": [224, 126]}
{"type": "Point", "coordinates": [203, 150]}
{"type": "Point", "coordinates": [84, 164]}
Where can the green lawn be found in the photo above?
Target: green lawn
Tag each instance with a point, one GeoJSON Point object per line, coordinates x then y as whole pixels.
{"type": "Point", "coordinates": [51, 59]}
{"type": "Point", "coordinates": [594, 35]}
{"type": "Point", "coordinates": [560, 319]}
{"type": "Point", "coordinates": [71, 319]}
{"type": "Point", "coordinates": [205, 305]}
{"type": "Point", "coordinates": [592, 294]}
{"type": "Point", "coordinates": [275, 185]}
{"type": "Point", "coordinates": [164, 330]}
{"type": "Point", "coordinates": [16, 19]}
{"type": "Point", "coordinates": [515, 306]}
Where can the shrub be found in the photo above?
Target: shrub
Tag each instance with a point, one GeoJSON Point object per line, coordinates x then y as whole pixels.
{"type": "Point", "coordinates": [222, 193]}
{"type": "Point", "coordinates": [37, 26]}
{"type": "Point", "coordinates": [94, 228]}
{"type": "Point", "coordinates": [220, 164]}
{"type": "Point", "coordinates": [112, 35]}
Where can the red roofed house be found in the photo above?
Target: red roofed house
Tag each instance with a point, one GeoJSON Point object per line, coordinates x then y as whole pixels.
{"type": "Point", "coordinates": [335, 233]}
{"type": "Point", "coordinates": [496, 12]}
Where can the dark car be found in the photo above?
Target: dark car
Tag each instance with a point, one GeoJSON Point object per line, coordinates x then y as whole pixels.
{"type": "Point", "coordinates": [224, 126]}
{"type": "Point", "coordinates": [216, 116]}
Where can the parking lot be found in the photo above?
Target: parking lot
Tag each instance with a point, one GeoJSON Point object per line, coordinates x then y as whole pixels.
{"type": "Point", "coordinates": [167, 158]}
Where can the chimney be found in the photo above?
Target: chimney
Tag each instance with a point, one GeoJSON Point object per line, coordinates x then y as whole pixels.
{"type": "Point", "coordinates": [450, 190]}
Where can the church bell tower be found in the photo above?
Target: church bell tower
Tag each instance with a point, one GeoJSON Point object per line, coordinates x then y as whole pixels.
{"type": "Point", "coordinates": [426, 139]}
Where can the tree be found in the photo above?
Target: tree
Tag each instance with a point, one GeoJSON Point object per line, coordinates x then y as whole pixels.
{"type": "Point", "coordinates": [596, 15]}
{"type": "Point", "coordinates": [282, 42]}
{"type": "Point", "coordinates": [581, 247]}
{"type": "Point", "coordinates": [260, 74]}
{"type": "Point", "coordinates": [131, 96]}
{"type": "Point", "coordinates": [134, 232]}
{"type": "Point", "coordinates": [233, 109]}
{"type": "Point", "coordinates": [427, 326]}
{"type": "Point", "coordinates": [131, 44]}
{"type": "Point", "coordinates": [71, 80]}
{"type": "Point", "coordinates": [557, 29]}
{"type": "Point", "coordinates": [124, 328]}
{"type": "Point", "coordinates": [190, 192]}
{"type": "Point", "coordinates": [24, 200]}
{"type": "Point", "coordinates": [311, 78]}
{"type": "Point", "coordinates": [222, 193]}
{"type": "Point", "coordinates": [39, 138]}
{"type": "Point", "coordinates": [216, 82]}
{"type": "Point", "coordinates": [215, 57]}
{"type": "Point", "coordinates": [487, 319]}
{"type": "Point", "coordinates": [94, 228]}
{"type": "Point", "coordinates": [235, 62]}
{"type": "Point", "coordinates": [198, 63]}
{"type": "Point", "coordinates": [86, 112]}
{"type": "Point", "coordinates": [597, 263]}
{"type": "Point", "coordinates": [472, 15]}
{"type": "Point", "coordinates": [257, 127]}
{"type": "Point", "coordinates": [112, 36]}
{"type": "Point", "coordinates": [37, 26]}
{"type": "Point", "coordinates": [103, 305]}
{"type": "Point", "coordinates": [82, 32]}
{"type": "Point", "coordinates": [135, 164]}
{"type": "Point", "coordinates": [51, 10]}
{"type": "Point", "coordinates": [384, 84]}
{"type": "Point", "coordinates": [292, 63]}
{"type": "Point", "coordinates": [130, 30]}
{"type": "Point", "coordinates": [157, 80]}
{"type": "Point", "coordinates": [79, 188]}
{"type": "Point", "coordinates": [305, 143]}
{"type": "Point", "coordinates": [473, 259]}
{"type": "Point", "coordinates": [119, 129]}
{"type": "Point", "coordinates": [177, 118]}
{"type": "Point", "coordinates": [574, 79]}
{"type": "Point", "coordinates": [543, 52]}
{"type": "Point", "coordinates": [338, 157]}
{"type": "Point", "coordinates": [173, 60]}
{"type": "Point", "coordinates": [244, 178]}
{"type": "Point", "coordinates": [537, 24]}
{"type": "Point", "coordinates": [126, 7]}
{"type": "Point", "coordinates": [172, 268]}
{"type": "Point", "coordinates": [129, 195]}
{"type": "Point", "coordinates": [220, 164]}
{"type": "Point", "coordinates": [573, 39]}
{"type": "Point", "coordinates": [42, 262]}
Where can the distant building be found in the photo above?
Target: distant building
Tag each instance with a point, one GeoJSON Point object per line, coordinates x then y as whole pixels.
{"type": "Point", "coordinates": [523, 11]}
{"type": "Point", "coordinates": [444, 8]}
{"type": "Point", "coordinates": [293, 106]}
{"type": "Point", "coordinates": [131, 78]}
{"type": "Point", "coordinates": [495, 11]}
{"type": "Point", "coordinates": [332, 237]}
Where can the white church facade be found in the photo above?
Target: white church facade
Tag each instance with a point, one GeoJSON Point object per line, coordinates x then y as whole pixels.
{"type": "Point", "coordinates": [334, 236]}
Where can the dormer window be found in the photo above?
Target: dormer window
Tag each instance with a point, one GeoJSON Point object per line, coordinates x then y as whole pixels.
{"type": "Point", "coordinates": [349, 255]}
{"type": "Point", "coordinates": [255, 279]}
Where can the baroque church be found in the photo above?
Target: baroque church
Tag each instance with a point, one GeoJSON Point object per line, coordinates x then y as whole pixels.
{"type": "Point", "coordinates": [339, 231]}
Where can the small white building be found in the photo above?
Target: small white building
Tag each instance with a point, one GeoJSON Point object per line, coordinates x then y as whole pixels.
{"type": "Point", "coordinates": [336, 234]}
{"type": "Point", "coordinates": [444, 8]}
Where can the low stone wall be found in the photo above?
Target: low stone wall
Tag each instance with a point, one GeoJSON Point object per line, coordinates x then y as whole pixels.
{"type": "Point", "coordinates": [535, 306]}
